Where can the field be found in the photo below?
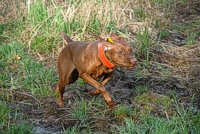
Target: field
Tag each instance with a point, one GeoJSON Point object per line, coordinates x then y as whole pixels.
{"type": "Point", "coordinates": [159, 96]}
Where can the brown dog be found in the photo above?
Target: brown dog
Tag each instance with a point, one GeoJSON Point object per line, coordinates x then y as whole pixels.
{"type": "Point", "coordinates": [92, 61]}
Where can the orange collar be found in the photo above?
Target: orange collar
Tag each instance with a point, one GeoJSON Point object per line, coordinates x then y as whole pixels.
{"type": "Point", "coordinates": [103, 57]}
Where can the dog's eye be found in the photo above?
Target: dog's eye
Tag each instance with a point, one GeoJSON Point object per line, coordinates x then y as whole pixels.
{"type": "Point", "coordinates": [120, 52]}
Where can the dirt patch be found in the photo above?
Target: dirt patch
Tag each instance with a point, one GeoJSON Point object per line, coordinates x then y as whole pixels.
{"type": "Point", "coordinates": [47, 117]}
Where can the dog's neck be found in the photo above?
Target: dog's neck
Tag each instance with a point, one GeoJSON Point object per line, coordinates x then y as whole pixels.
{"type": "Point", "coordinates": [102, 56]}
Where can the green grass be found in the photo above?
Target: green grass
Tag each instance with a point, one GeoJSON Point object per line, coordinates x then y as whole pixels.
{"type": "Point", "coordinates": [191, 38]}
{"type": "Point", "coordinates": [145, 43]}
{"type": "Point", "coordinates": [9, 122]}
{"type": "Point", "coordinates": [81, 114]}
{"type": "Point", "coordinates": [140, 89]}
{"type": "Point", "coordinates": [140, 14]}
{"type": "Point", "coordinates": [122, 112]}
{"type": "Point", "coordinates": [164, 33]}
{"type": "Point", "coordinates": [185, 122]}
{"type": "Point", "coordinates": [81, 111]}
{"type": "Point", "coordinates": [80, 82]}
{"type": "Point", "coordinates": [20, 70]}
{"type": "Point", "coordinates": [189, 31]}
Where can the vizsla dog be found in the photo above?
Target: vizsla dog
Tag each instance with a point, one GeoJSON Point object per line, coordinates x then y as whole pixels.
{"type": "Point", "coordinates": [94, 62]}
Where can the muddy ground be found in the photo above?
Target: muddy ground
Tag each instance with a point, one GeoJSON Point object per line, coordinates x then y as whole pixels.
{"type": "Point", "coordinates": [47, 117]}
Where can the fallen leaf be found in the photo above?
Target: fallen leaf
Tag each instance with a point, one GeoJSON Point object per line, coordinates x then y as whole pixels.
{"type": "Point", "coordinates": [16, 56]}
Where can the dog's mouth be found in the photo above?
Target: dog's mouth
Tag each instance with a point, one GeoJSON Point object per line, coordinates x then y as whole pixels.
{"type": "Point", "coordinates": [130, 66]}
{"type": "Point", "coordinates": [127, 65]}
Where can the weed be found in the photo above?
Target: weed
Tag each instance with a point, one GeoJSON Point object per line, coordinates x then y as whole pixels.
{"type": "Point", "coordinates": [141, 88]}
{"type": "Point", "coordinates": [81, 82]}
{"type": "Point", "coordinates": [123, 112]}
{"type": "Point", "coordinates": [81, 112]}
{"type": "Point", "coordinates": [73, 130]}
{"type": "Point", "coordinates": [148, 124]}
{"type": "Point", "coordinates": [164, 101]}
{"type": "Point", "coordinates": [159, 23]}
{"type": "Point", "coordinates": [164, 71]}
{"type": "Point", "coordinates": [187, 120]}
{"type": "Point", "coordinates": [9, 55]}
{"type": "Point", "coordinates": [4, 114]}
{"type": "Point", "coordinates": [145, 43]}
{"type": "Point", "coordinates": [140, 14]}
{"type": "Point", "coordinates": [2, 29]}
{"type": "Point", "coordinates": [164, 33]}
{"type": "Point", "coordinates": [190, 38]}
{"type": "Point", "coordinates": [190, 33]}
{"type": "Point", "coordinates": [144, 98]}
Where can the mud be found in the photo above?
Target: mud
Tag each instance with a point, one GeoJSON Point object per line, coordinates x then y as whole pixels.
{"type": "Point", "coordinates": [47, 117]}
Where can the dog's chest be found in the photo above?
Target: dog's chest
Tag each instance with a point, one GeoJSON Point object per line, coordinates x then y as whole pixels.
{"type": "Point", "coordinates": [100, 72]}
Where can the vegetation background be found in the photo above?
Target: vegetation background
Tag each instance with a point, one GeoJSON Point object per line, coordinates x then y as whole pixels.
{"type": "Point", "coordinates": [160, 96]}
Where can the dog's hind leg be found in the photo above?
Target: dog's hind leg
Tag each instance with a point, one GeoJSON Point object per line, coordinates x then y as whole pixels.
{"type": "Point", "coordinates": [68, 75]}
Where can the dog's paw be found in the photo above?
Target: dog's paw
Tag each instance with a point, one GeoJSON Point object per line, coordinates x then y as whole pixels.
{"type": "Point", "coordinates": [110, 104]}
{"type": "Point", "coordinates": [57, 90]}
{"type": "Point", "coordinates": [60, 103]}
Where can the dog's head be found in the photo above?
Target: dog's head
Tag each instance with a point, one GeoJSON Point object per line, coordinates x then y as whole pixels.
{"type": "Point", "coordinates": [118, 51]}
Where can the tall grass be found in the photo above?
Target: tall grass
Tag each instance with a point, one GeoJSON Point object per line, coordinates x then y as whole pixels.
{"type": "Point", "coordinates": [79, 19]}
{"type": "Point", "coordinates": [18, 70]}
{"type": "Point", "coordinates": [145, 42]}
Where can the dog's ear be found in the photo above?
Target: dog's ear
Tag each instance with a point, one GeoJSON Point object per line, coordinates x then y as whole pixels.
{"type": "Point", "coordinates": [107, 45]}
{"type": "Point", "coordinates": [64, 36]}
{"type": "Point", "coordinates": [101, 40]}
{"type": "Point", "coordinates": [118, 39]}
{"type": "Point", "coordinates": [115, 37]}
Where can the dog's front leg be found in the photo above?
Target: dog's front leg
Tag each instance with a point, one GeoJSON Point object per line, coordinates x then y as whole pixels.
{"type": "Point", "coordinates": [100, 88]}
{"type": "Point", "coordinates": [106, 78]}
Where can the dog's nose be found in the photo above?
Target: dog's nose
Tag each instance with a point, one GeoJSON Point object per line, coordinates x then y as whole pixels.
{"type": "Point", "coordinates": [133, 60]}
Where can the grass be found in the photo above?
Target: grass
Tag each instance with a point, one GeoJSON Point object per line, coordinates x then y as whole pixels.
{"type": "Point", "coordinates": [43, 25]}
{"type": "Point", "coordinates": [191, 38]}
{"type": "Point", "coordinates": [81, 82]}
{"type": "Point", "coordinates": [122, 112]}
{"type": "Point", "coordinates": [140, 89]}
{"type": "Point", "coordinates": [184, 123]}
{"type": "Point", "coordinates": [22, 71]}
{"type": "Point", "coordinates": [145, 42]}
{"type": "Point", "coordinates": [140, 14]}
{"type": "Point", "coordinates": [11, 124]}
{"type": "Point", "coordinates": [81, 113]}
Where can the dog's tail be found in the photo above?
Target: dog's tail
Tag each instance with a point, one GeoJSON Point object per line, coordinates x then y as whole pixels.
{"type": "Point", "coordinates": [66, 37]}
